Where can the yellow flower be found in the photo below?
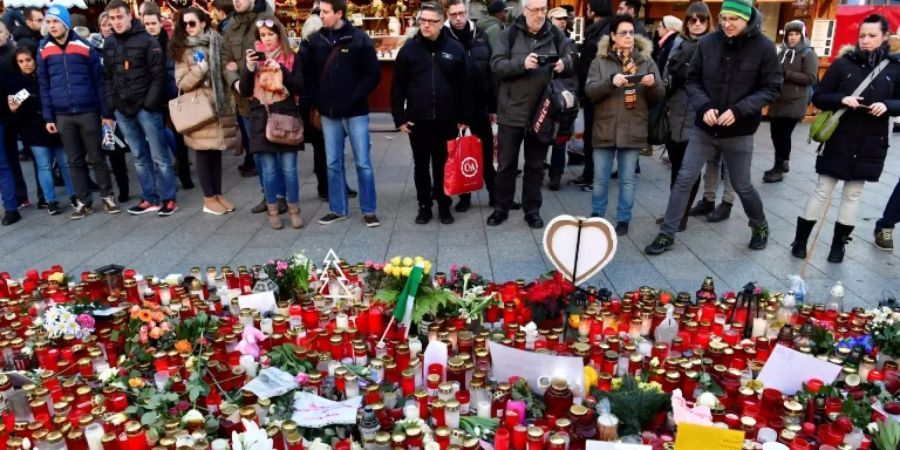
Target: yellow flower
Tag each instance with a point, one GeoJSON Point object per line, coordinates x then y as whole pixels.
{"type": "Point", "coordinates": [419, 259]}
{"type": "Point", "coordinates": [590, 377]}
{"type": "Point", "coordinates": [395, 261]}
{"type": "Point", "coordinates": [574, 320]}
{"type": "Point", "coordinates": [388, 268]}
{"type": "Point", "coordinates": [57, 277]}
{"type": "Point", "coordinates": [136, 383]}
{"type": "Point", "coordinates": [396, 271]}
{"type": "Point", "coordinates": [427, 267]}
{"type": "Point", "coordinates": [408, 262]}
{"type": "Point", "coordinates": [405, 271]}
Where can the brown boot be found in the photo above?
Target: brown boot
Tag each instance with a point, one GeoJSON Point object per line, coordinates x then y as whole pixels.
{"type": "Point", "coordinates": [229, 207]}
{"type": "Point", "coordinates": [211, 206]}
{"type": "Point", "coordinates": [274, 220]}
{"type": "Point", "coordinates": [296, 220]}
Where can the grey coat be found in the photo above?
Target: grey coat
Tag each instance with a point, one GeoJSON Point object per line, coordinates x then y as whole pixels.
{"type": "Point", "coordinates": [801, 70]}
{"type": "Point", "coordinates": [520, 89]}
{"type": "Point", "coordinates": [614, 125]}
{"type": "Point", "coordinates": [681, 114]}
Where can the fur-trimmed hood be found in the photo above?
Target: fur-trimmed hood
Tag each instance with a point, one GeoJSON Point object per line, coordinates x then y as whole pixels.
{"type": "Point", "coordinates": [893, 50]}
{"type": "Point", "coordinates": [642, 46]}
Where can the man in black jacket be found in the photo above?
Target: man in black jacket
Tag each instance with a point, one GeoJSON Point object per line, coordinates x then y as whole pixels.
{"type": "Point", "coordinates": [340, 71]}
{"type": "Point", "coordinates": [29, 34]}
{"type": "Point", "coordinates": [431, 97]}
{"type": "Point", "coordinates": [600, 13]}
{"type": "Point", "coordinates": [484, 98]}
{"type": "Point", "coordinates": [134, 69]}
{"type": "Point", "coordinates": [734, 73]}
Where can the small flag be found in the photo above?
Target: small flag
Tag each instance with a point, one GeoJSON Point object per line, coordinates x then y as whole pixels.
{"type": "Point", "coordinates": [404, 307]}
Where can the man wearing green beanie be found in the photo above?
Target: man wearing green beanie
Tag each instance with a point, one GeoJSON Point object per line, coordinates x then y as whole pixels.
{"type": "Point", "coordinates": [734, 73]}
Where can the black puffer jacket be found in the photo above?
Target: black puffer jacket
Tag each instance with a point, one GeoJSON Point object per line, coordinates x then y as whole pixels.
{"type": "Point", "coordinates": [484, 99]}
{"type": "Point", "coordinates": [431, 81]}
{"type": "Point", "coordinates": [134, 71]}
{"type": "Point", "coordinates": [740, 73]}
{"type": "Point", "coordinates": [28, 120]}
{"type": "Point", "coordinates": [858, 147]}
{"type": "Point", "coordinates": [592, 36]}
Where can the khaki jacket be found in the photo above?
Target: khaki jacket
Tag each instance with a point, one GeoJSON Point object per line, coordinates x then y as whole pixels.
{"type": "Point", "coordinates": [218, 135]}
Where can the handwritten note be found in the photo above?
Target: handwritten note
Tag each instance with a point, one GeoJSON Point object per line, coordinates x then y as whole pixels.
{"type": "Point", "coordinates": [508, 362]}
{"type": "Point", "coordinates": [271, 382]}
{"type": "Point", "coordinates": [310, 410]}
{"type": "Point", "coordinates": [262, 301]}
{"type": "Point", "coordinates": [600, 445]}
{"type": "Point", "coordinates": [787, 369]}
{"type": "Point", "coordinates": [699, 437]}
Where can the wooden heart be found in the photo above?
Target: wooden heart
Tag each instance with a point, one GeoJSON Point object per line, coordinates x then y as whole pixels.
{"type": "Point", "coordinates": [593, 240]}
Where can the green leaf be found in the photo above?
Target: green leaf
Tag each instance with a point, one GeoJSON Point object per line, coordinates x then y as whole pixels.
{"type": "Point", "coordinates": [131, 410]}
{"type": "Point", "coordinates": [149, 418]}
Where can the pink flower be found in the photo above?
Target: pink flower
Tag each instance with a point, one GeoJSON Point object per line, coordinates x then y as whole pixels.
{"type": "Point", "coordinates": [302, 378]}
{"type": "Point", "coordinates": [757, 291]}
{"type": "Point", "coordinates": [86, 321]}
{"type": "Point", "coordinates": [453, 268]}
{"type": "Point", "coordinates": [369, 263]}
{"type": "Point", "coordinates": [281, 265]}
{"type": "Point", "coordinates": [378, 267]}
{"type": "Point", "coordinates": [166, 326]}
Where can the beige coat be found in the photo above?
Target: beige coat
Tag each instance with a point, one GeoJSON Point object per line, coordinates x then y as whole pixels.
{"type": "Point", "coordinates": [614, 125]}
{"type": "Point", "coordinates": [218, 135]}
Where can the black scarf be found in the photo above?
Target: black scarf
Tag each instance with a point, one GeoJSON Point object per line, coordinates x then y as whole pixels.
{"type": "Point", "coordinates": [873, 57]}
{"type": "Point", "coordinates": [464, 36]}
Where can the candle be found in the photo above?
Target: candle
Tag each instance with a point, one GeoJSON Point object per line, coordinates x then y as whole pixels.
{"type": "Point", "coordinates": [484, 410]}
{"type": "Point", "coordinates": [759, 327]}
{"type": "Point", "coordinates": [266, 326]}
{"type": "Point", "coordinates": [411, 411]}
{"type": "Point", "coordinates": [342, 321]}
{"type": "Point", "coordinates": [93, 433]}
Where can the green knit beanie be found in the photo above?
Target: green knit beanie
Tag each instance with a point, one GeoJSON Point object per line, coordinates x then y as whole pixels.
{"type": "Point", "coordinates": [738, 8]}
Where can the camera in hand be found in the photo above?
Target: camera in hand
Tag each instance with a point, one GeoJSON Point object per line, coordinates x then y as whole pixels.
{"type": "Point", "coordinates": [260, 56]}
{"type": "Point", "coordinates": [543, 60]}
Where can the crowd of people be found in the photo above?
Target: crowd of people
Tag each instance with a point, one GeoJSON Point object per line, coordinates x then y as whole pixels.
{"type": "Point", "coordinates": [76, 100]}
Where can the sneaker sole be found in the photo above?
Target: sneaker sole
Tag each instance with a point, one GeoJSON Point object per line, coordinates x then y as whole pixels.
{"type": "Point", "coordinates": [167, 214]}
{"type": "Point", "coordinates": [373, 225]}
{"type": "Point", "coordinates": [329, 222]}
{"type": "Point", "coordinates": [80, 217]}
{"type": "Point", "coordinates": [665, 249]}
{"type": "Point", "coordinates": [215, 213]}
{"type": "Point", "coordinates": [138, 213]}
{"type": "Point", "coordinates": [887, 249]}
{"type": "Point", "coordinates": [114, 211]}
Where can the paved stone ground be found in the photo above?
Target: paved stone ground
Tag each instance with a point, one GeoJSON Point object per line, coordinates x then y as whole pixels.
{"type": "Point", "coordinates": [158, 245]}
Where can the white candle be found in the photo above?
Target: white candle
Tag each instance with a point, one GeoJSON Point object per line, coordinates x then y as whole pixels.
{"type": "Point", "coordinates": [93, 433]}
{"type": "Point", "coordinates": [342, 321]}
{"type": "Point", "coordinates": [220, 444]}
{"type": "Point", "coordinates": [249, 365]}
{"type": "Point", "coordinates": [415, 347]}
{"type": "Point", "coordinates": [265, 325]}
{"type": "Point", "coordinates": [411, 411]}
{"type": "Point", "coordinates": [759, 327]}
{"type": "Point", "coordinates": [484, 410]}
{"type": "Point", "coordinates": [165, 295]}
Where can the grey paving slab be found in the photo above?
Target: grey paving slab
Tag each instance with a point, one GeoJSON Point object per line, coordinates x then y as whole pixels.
{"type": "Point", "coordinates": [160, 245]}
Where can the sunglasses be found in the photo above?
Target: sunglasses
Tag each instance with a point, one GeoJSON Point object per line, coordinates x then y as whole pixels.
{"type": "Point", "coordinates": [268, 23]}
{"type": "Point", "coordinates": [698, 20]}
{"type": "Point", "coordinates": [190, 23]}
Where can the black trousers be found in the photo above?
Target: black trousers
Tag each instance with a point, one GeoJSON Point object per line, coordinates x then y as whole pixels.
{"type": "Point", "coordinates": [588, 172]}
{"type": "Point", "coordinates": [676, 152]}
{"type": "Point", "coordinates": [428, 140]}
{"type": "Point", "coordinates": [11, 146]}
{"type": "Point", "coordinates": [80, 136]}
{"type": "Point", "coordinates": [209, 171]}
{"type": "Point", "coordinates": [482, 129]}
{"type": "Point", "coordinates": [183, 159]}
{"type": "Point", "coordinates": [510, 140]}
{"type": "Point", "coordinates": [119, 169]}
{"type": "Point", "coordinates": [314, 137]}
{"type": "Point", "coordinates": [781, 129]}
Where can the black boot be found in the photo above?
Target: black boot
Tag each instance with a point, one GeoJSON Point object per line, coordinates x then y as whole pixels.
{"type": "Point", "coordinates": [776, 173]}
{"type": "Point", "coordinates": [554, 183]}
{"type": "Point", "coordinates": [841, 238]}
{"type": "Point", "coordinates": [702, 208]}
{"type": "Point", "coordinates": [722, 212]}
{"type": "Point", "coordinates": [424, 216]}
{"type": "Point", "coordinates": [804, 228]}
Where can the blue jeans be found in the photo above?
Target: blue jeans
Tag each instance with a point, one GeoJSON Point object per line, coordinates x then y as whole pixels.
{"type": "Point", "coordinates": [279, 171]}
{"type": "Point", "coordinates": [145, 134]}
{"type": "Point", "coordinates": [7, 185]}
{"type": "Point", "coordinates": [603, 161]}
{"type": "Point", "coordinates": [44, 157]}
{"type": "Point", "coordinates": [891, 211]}
{"type": "Point", "coordinates": [245, 123]}
{"type": "Point", "coordinates": [335, 131]}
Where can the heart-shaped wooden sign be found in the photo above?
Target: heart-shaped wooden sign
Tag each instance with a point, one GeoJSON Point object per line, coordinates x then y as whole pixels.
{"type": "Point", "coordinates": [592, 240]}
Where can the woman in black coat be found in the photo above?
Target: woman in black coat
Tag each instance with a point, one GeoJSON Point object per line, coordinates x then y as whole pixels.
{"type": "Point", "coordinates": [27, 119]}
{"type": "Point", "coordinates": [278, 162]}
{"type": "Point", "coordinates": [858, 147]}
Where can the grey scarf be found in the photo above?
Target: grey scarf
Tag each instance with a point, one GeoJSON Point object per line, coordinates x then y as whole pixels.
{"type": "Point", "coordinates": [210, 43]}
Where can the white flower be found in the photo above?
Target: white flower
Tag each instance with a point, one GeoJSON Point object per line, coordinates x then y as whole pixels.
{"type": "Point", "coordinates": [872, 427]}
{"type": "Point", "coordinates": [107, 374]}
{"type": "Point", "coordinates": [27, 351]}
{"type": "Point", "coordinates": [252, 439]}
{"type": "Point", "coordinates": [317, 445]}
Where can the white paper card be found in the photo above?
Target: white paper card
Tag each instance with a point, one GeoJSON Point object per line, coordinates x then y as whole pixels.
{"type": "Point", "coordinates": [787, 370]}
{"type": "Point", "coordinates": [600, 445]}
{"type": "Point", "coordinates": [310, 410]}
{"type": "Point", "coordinates": [262, 301]}
{"type": "Point", "coordinates": [271, 382]}
{"type": "Point", "coordinates": [507, 362]}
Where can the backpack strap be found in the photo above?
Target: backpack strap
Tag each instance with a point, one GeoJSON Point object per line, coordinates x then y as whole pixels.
{"type": "Point", "coordinates": [512, 34]}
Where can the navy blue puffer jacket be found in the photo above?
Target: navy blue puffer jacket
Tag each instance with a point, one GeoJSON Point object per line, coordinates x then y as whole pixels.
{"type": "Point", "coordinates": [71, 78]}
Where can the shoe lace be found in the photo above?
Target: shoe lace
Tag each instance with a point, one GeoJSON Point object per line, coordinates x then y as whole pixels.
{"type": "Point", "coordinates": [887, 234]}
{"type": "Point", "coordinates": [761, 231]}
{"type": "Point", "coordinates": [663, 240]}
{"type": "Point", "coordinates": [144, 204]}
{"type": "Point", "coordinates": [171, 204]}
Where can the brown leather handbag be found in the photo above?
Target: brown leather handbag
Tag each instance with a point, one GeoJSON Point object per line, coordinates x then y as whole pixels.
{"type": "Point", "coordinates": [191, 111]}
{"type": "Point", "coordinates": [283, 129]}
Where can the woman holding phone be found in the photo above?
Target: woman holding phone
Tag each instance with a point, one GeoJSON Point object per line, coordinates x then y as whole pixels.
{"type": "Point", "coordinates": [856, 151]}
{"type": "Point", "coordinates": [24, 100]}
{"type": "Point", "coordinates": [272, 78]}
{"type": "Point", "coordinates": [623, 83]}
{"type": "Point", "coordinates": [199, 55]}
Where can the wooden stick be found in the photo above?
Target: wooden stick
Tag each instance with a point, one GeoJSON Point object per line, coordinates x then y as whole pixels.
{"type": "Point", "coordinates": [815, 239]}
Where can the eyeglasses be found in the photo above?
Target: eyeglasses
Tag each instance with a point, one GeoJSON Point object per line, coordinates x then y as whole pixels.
{"type": "Point", "coordinates": [429, 21]}
{"type": "Point", "coordinates": [698, 20]}
{"type": "Point", "coordinates": [269, 23]}
{"type": "Point", "coordinates": [38, 20]}
{"type": "Point", "coordinates": [190, 23]}
{"type": "Point", "coordinates": [729, 18]}
{"type": "Point", "coordinates": [559, 18]}
{"type": "Point", "coordinates": [625, 33]}
{"type": "Point", "coordinates": [458, 14]}
{"type": "Point", "coordinates": [537, 10]}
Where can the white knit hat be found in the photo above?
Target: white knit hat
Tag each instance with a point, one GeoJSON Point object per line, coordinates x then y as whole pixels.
{"type": "Point", "coordinates": [672, 23]}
